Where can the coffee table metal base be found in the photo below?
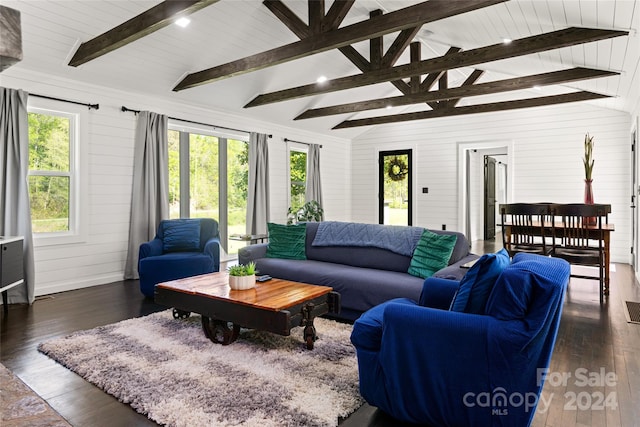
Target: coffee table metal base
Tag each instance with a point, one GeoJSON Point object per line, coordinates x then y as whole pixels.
{"type": "Point", "coordinates": [220, 331]}
{"type": "Point", "coordinates": [224, 332]}
{"type": "Point", "coordinates": [221, 320]}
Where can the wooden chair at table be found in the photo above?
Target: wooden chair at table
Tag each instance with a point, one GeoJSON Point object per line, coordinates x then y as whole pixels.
{"type": "Point", "coordinates": [525, 228]}
{"type": "Point", "coordinates": [580, 238]}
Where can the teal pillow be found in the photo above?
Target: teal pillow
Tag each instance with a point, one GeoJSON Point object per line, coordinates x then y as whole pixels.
{"type": "Point", "coordinates": [432, 253]}
{"type": "Point", "coordinates": [287, 241]}
{"type": "Point", "coordinates": [181, 235]}
{"type": "Point", "coordinates": [477, 284]}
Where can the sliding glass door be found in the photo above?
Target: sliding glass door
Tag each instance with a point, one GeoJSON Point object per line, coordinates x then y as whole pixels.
{"type": "Point", "coordinates": [208, 178]}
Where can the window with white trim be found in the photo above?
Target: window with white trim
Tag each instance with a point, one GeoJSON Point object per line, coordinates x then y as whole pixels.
{"type": "Point", "coordinates": [52, 176]}
{"type": "Point", "coordinates": [54, 182]}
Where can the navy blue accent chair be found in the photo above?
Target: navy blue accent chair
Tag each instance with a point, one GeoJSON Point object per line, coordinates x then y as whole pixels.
{"type": "Point", "coordinates": [423, 363]}
{"type": "Point", "coordinates": [181, 248]}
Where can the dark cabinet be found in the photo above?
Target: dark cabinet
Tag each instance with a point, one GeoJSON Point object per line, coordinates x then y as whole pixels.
{"type": "Point", "coordinates": [11, 265]}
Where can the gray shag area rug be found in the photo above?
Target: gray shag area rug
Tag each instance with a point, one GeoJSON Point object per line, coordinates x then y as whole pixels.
{"type": "Point", "coordinates": [168, 370]}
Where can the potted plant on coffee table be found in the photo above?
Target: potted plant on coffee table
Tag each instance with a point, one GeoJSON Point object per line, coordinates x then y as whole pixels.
{"type": "Point", "coordinates": [242, 276]}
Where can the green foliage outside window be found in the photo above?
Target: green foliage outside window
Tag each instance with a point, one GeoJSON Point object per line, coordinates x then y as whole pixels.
{"type": "Point", "coordinates": [237, 184]}
{"type": "Point", "coordinates": [204, 179]}
{"type": "Point", "coordinates": [49, 172]}
{"type": "Point", "coordinates": [174, 173]}
{"type": "Point", "coordinates": [298, 178]}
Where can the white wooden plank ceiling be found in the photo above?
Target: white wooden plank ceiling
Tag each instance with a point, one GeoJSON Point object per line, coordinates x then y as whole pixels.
{"type": "Point", "coordinates": [233, 29]}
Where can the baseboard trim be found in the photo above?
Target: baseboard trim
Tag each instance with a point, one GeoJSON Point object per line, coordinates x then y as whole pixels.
{"type": "Point", "coordinates": [52, 288]}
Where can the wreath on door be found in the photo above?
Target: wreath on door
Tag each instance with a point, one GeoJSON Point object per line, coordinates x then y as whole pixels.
{"type": "Point", "coordinates": [398, 169]}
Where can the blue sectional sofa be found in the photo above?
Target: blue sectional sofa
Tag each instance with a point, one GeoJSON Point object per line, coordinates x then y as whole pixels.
{"type": "Point", "coordinates": [363, 274]}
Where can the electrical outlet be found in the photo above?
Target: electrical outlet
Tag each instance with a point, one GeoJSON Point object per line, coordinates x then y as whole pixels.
{"type": "Point", "coordinates": [425, 190]}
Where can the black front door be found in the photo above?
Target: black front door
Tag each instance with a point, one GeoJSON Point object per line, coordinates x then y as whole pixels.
{"type": "Point", "coordinates": [395, 188]}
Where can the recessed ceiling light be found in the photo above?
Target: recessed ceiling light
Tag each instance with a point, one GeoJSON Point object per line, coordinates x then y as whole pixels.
{"type": "Point", "coordinates": [388, 107]}
{"type": "Point", "coordinates": [321, 79]}
{"type": "Point", "coordinates": [183, 22]}
{"type": "Point", "coordinates": [536, 87]}
{"type": "Point", "coordinates": [506, 41]}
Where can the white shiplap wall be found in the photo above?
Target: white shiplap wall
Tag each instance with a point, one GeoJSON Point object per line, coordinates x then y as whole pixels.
{"type": "Point", "coordinates": [108, 149]}
{"type": "Point", "coordinates": [547, 145]}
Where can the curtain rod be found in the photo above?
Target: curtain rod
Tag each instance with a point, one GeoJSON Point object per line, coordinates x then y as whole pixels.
{"type": "Point", "coordinates": [299, 142]}
{"type": "Point", "coordinates": [90, 106]}
{"type": "Point", "coordinates": [125, 109]}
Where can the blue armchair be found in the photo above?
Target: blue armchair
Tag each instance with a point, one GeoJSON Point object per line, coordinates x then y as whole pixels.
{"type": "Point", "coordinates": [181, 248]}
{"type": "Point", "coordinates": [422, 363]}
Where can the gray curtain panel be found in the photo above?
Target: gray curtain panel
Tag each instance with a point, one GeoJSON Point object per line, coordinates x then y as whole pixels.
{"type": "Point", "coordinates": [467, 211]}
{"type": "Point", "coordinates": [150, 195]}
{"type": "Point", "coordinates": [14, 199]}
{"type": "Point", "coordinates": [314, 186]}
{"type": "Point", "coordinates": [258, 192]}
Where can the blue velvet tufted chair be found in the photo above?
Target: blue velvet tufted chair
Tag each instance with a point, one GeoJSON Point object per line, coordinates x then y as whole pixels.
{"type": "Point", "coordinates": [425, 363]}
{"type": "Point", "coordinates": [181, 248]}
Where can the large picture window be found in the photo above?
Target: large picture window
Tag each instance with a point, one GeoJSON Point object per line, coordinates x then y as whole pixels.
{"type": "Point", "coordinates": [52, 174]}
{"type": "Point", "coordinates": [208, 178]}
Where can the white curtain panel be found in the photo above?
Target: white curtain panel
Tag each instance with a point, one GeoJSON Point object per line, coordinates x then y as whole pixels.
{"type": "Point", "coordinates": [150, 195]}
{"type": "Point", "coordinates": [258, 192]}
{"type": "Point", "coordinates": [14, 200]}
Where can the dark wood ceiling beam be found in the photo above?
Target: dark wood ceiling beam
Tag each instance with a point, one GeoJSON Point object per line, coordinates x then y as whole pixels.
{"type": "Point", "coordinates": [443, 85]}
{"type": "Point", "coordinates": [473, 109]}
{"type": "Point", "coordinates": [288, 18]}
{"type": "Point", "coordinates": [489, 88]}
{"type": "Point", "coordinates": [336, 14]}
{"type": "Point", "coordinates": [356, 58]}
{"type": "Point", "coordinates": [376, 50]}
{"type": "Point", "coordinates": [316, 14]}
{"type": "Point", "coordinates": [415, 53]}
{"type": "Point", "coordinates": [135, 28]}
{"type": "Point", "coordinates": [399, 45]}
{"type": "Point", "coordinates": [529, 45]}
{"type": "Point", "coordinates": [301, 29]}
{"type": "Point", "coordinates": [432, 78]}
{"type": "Point", "coordinates": [471, 80]}
{"type": "Point", "coordinates": [409, 17]}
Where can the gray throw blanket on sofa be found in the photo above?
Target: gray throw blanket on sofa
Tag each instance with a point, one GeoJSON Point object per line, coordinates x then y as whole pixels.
{"type": "Point", "coordinates": [398, 239]}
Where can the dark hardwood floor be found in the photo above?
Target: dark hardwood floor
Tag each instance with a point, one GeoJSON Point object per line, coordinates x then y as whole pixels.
{"type": "Point", "coordinates": [594, 342]}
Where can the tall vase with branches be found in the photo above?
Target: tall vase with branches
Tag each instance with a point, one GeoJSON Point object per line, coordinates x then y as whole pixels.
{"type": "Point", "coordinates": [588, 162]}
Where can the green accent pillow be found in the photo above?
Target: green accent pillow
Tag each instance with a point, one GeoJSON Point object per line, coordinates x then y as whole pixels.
{"type": "Point", "coordinates": [432, 253]}
{"type": "Point", "coordinates": [287, 241]}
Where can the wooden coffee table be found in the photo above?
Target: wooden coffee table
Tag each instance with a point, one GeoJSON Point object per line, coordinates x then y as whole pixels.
{"type": "Point", "coordinates": [275, 306]}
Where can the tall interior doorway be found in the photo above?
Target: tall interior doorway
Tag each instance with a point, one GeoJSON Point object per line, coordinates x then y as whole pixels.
{"type": "Point", "coordinates": [395, 187]}
{"type": "Point", "coordinates": [477, 204]}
